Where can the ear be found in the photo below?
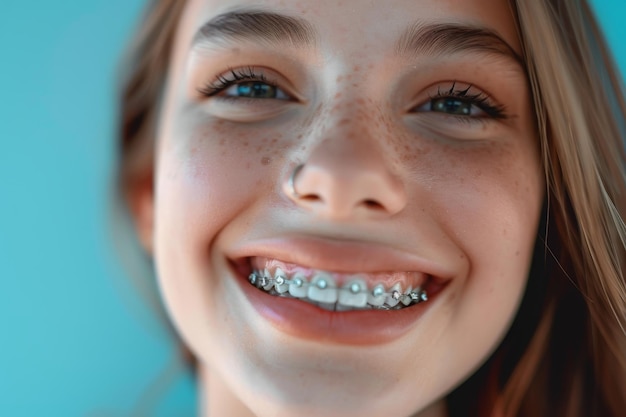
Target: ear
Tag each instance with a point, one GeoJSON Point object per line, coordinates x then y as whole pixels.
{"type": "Point", "coordinates": [140, 198]}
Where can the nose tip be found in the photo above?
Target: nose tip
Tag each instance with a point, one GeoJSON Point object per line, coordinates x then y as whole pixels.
{"type": "Point", "coordinates": [344, 193]}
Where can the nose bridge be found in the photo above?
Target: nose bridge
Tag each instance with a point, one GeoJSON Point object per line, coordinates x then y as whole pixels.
{"type": "Point", "coordinates": [347, 172]}
{"type": "Point", "coordinates": [351, 133]}
{"type": "Point", "coordinates": [345, 142]}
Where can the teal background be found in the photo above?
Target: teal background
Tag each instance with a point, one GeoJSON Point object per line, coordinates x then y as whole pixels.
{"type": "Point", "coordinates": [76, 338]}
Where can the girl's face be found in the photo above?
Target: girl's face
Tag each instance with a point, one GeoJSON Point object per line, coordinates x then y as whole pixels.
{"type": "Point", "coordinates": [421, 168]}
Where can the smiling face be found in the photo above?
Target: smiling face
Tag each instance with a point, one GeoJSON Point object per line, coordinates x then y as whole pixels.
{"type": "Point", "coordinates": [411, 126]}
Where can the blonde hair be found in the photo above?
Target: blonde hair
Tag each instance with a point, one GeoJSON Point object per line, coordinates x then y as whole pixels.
{"type": "Point", "coordinates": [580, 109]}
{"type": "Point", "coordinates": [565, 354]}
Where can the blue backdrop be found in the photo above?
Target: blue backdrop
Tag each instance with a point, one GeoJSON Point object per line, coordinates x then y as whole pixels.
{"type": "Point", "coordinates": [76, 338]}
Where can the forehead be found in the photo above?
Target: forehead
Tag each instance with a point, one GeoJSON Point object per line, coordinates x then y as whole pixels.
{"type": "Point", "coordinates": [363, 27]}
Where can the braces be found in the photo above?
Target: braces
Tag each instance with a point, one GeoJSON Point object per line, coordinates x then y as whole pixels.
{"type": "Point", "coordinates": [266, 282]}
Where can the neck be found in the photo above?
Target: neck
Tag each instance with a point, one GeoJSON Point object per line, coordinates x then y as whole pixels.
{"type": "Point", "coordinates": [216, 399]}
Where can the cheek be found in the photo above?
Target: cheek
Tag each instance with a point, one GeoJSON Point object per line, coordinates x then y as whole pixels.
{"type": "Point", "coordinates": [201, 181]}
{"type": "Point", "coordinates": [208, 173]}
{"type": "Point", "coordinates": [488, 200]}
{"type": "Point", "coordinates": [496, 195]}
{"type": "Point", "coordinates": [500, 190]}
{"type": "Point", "coordinates": [206, 177]}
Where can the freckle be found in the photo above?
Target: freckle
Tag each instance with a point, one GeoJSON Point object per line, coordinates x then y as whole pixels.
{"type": "Point", "coordinates": [339, 78]}
{"type": "Point", "coordinates": [338, 95]}
{"type": "Point", "coordinates": [246, 144]}
{"type": "Point", "coordinates": [247, 165]}
{"type": "Point", "coordinates": [303, 148]}
{"type": "Point", "coordinates": [516, 253]}
{"type": "Point", "coordinates": [223, 153]}
{"type": "Point", "coordinates": [258, 148]}
{"type": "Point", "coordinates": [356, 68]}
{"type": "Point", "coordinates": [266, 160]}
{"type": "Point", "coordinates": [355, 84]}
{"type": "Point", "coordinates": [299, 136]}
{"type": "Point", "coordinates": [274, 140]}
{"type": "Point", "coordinates": [222, 141]}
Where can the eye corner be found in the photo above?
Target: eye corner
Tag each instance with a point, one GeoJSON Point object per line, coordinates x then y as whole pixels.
{"type": "Point", "coordinates": [204, 91]}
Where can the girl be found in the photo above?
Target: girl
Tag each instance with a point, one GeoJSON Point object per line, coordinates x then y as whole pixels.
{"type": "Point", "coordinates": [404, 208]}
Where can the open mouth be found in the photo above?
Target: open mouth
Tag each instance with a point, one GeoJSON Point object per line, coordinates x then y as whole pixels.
{"type": "Point", "coordinates": [336, 291]}
{"type": "Point", "coordinates": [349, 296]}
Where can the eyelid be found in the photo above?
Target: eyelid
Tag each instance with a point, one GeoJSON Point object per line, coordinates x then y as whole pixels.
{"type": "Point", "coordinates": [242, 109]}
{"type": "Point", "coordinates": [250, 73]}
{"type": "Point", "coordinates": [465, 92]}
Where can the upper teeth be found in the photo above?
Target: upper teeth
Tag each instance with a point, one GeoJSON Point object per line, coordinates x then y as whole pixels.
{"type": "Point", "coordinates": [323, 290]}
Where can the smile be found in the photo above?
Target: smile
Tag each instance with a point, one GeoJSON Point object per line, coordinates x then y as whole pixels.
{"type": "Point", "coordinates": [320, 288]}
{"type": "Point", "coordinates": [340, 292]}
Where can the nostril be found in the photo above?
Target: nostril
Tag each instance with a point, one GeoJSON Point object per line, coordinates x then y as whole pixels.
{"type": "Point", "coordinates": [311, 197]}
{"type": "Point", "coordinates": [373, 204]}
{"type": "Point", "coordinates": [337, 191]}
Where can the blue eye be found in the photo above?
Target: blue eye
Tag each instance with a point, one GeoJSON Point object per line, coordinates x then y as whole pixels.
{"type": "Point", "coordinates": [255, 90]}
{"type": "Point", "coordinates": [451, 105]}
{"type": "Point", "coordinates": [461, 103]}
{"type": "Point", "coordinates": [244, 83]}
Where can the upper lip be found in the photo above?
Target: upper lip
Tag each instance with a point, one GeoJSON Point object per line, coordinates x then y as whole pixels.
{"type": "Point", "coordinates": [339, 256]}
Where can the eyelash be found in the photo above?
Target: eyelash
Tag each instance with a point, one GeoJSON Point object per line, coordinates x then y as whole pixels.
{"type": "Point", "coordinates": [480, 100]}
{"type": "Point", "coordinates": [233, 77]}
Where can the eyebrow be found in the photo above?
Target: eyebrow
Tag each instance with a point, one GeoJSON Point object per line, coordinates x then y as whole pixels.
{"type": "Point", "coordinates": [419, 39]}
{"type": "Point", "coordinates": [450, 38]}
{"type": "Point", "coordinates": [276, 29]}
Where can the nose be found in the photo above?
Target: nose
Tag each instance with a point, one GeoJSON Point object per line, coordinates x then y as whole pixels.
{"type": "Point", "coordinates": [346, 178]}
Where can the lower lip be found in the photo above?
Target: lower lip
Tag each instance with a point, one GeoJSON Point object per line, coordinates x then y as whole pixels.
{"type": "Point", "coordinates": [306, 321]}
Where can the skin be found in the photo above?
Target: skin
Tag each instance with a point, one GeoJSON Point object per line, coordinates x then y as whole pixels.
{"type": "Point", "coordinates": [464, 193]}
